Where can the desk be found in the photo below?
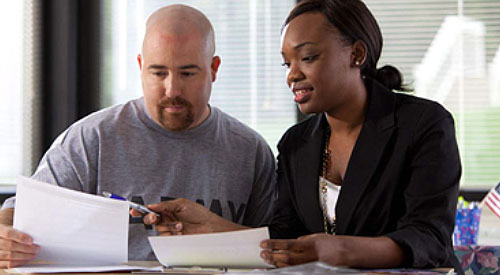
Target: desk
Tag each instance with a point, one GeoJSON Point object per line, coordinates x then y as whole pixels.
{"type": "Point", "coordinates": [135, 263]}
{"type": "Point", "coordinates": [309, 268]}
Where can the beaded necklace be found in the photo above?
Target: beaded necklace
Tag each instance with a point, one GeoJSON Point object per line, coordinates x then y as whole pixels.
{"type": "Point", "coordinates": [323, 184]}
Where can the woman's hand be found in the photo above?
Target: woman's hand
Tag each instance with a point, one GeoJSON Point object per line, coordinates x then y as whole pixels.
{"type": "Point", "coordinates": [182, 216]}
{"type": "Point", "coordinates": [351, 251]}
{"type": "Point", "coordinates": [317, 247]}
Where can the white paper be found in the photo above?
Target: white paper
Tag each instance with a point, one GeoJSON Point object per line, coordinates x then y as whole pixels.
{"type": "Point", "coordinates": [79, 269]}
{"type": "Point", "coordinates": [71, 227]}
{"type": "Point", "coordinates": [237, 249]}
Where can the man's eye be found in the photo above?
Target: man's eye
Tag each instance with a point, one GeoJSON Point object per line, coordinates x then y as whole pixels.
{"type": "Point", "coordinates": [159, 74]}
{"type": "Point", "coordinates": [286, 64]}
{"type": "Point", "coordinates": [187, 73]}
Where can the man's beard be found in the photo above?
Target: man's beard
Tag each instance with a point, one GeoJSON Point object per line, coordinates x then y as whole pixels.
{"type": "Point", "coordinates": [175, 121]}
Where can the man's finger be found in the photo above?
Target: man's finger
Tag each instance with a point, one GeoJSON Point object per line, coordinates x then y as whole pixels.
{"type": "Point", "coordinates": [9, 245]}
{"type": "Point", "coordinates": [16, 256]}
{"type": "Point", "coordinates": [9, 233]}
{"type": "Point", "coordinates": [11, 264]}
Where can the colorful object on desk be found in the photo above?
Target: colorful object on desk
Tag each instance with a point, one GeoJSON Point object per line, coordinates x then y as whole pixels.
{"type": "Point", "coordinates": [492, 200]}
{"type": "Point", "coordinates": [466, 223]}
{"type": "Point", "coordinates": [478, 259]}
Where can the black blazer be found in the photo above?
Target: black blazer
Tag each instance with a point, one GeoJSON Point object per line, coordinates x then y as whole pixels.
{"type": "Point", "coordinates": [401, 180]}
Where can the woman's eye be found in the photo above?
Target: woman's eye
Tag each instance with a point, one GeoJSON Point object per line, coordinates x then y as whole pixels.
{"type": "Point", "coordinates": [286, 64]}
{"type": "Point", "coordinates": [309, 58]}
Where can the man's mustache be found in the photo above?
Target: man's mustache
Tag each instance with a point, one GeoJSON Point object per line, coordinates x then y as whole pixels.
{"type": "Point", "coordinates": [174, 101]}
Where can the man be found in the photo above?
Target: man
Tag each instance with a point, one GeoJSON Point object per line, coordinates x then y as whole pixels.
{"type": "Point", "coordinates": [169, 144]}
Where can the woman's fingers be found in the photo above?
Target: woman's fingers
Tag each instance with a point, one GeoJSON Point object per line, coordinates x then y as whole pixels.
{"type": "Point", "coordinates": [282, 258]}
{"type": "Point", "coordinates": [288, 252]}
{"type": "Point", "coordinates": [172, 228]}
{"type": "Point", "coordinates": [293, 245]}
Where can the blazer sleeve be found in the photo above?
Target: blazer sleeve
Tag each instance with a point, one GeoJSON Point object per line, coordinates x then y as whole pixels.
{"type": "Point", "coordinates": [285, 223]}
{"type": "Point", "coordinates": [424, 231]}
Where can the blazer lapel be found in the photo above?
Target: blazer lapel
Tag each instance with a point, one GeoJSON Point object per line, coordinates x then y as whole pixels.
{"type": "Point", "coordinates": [307, 166]}
{"type": "Point", "coordinates": [376, 132]}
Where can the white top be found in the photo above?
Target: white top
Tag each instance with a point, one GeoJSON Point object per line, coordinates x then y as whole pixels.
{"type": "Point", "coordinates": [332, 195]}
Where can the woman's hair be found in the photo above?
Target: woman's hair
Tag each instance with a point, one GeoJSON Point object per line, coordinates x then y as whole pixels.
{"type": "Point", "coordinates": [355, 23]}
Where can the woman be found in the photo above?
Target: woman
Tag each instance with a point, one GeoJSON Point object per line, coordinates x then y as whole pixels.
{"type": "Point", "coordinates": [388, 163]}
{"type": "Point", "coordinates": [377, 171]}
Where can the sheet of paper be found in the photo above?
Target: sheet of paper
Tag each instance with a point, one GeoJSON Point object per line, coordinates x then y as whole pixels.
{"type": "Point", "coordinates": [237, 249]}
{"type": "Point", "coordinates": [79, 269]}
{"type": "Point", "coordinates": [72, 228]}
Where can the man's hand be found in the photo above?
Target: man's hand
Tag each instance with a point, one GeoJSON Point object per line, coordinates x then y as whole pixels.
{"type": "Point", "coordinates": [182, 216]}
{"type": "Point", "coordinates": [16, 248]}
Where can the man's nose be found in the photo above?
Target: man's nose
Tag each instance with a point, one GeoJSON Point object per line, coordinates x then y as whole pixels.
{"type": "Point", "coordinates": [172, 86]}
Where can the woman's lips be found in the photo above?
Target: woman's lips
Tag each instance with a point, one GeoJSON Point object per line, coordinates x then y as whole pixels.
{"type": "Point", "coordinates": [301, 96]}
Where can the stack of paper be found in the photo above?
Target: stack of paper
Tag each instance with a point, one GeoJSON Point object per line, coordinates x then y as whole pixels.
{"type": "Point", "coordinates": [79, 232]}
{"type": "Point", "coordinates": [238, 249]}
{"type": "Point", "coordinates": [74, 230]}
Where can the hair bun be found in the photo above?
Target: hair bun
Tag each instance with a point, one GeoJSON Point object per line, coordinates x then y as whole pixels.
{"type": "Point", "coordinates": [390, 77]}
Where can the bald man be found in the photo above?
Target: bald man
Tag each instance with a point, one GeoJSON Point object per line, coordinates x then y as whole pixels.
{"type": "Point", "coordinates": [168, 144]}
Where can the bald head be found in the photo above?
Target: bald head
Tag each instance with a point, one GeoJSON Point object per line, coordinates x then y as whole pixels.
{"type": "Point", "coordinates": [180, 22]}
{"type": "Point", "coordinates": [178, 67]}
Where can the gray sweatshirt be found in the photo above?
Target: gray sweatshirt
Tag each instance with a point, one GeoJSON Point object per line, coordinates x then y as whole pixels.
{"type": "Point", "coordinates": [221, 164]}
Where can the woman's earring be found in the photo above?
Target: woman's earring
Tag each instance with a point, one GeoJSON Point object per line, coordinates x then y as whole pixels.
{"type": "Point", "coordinates": [357, 63]}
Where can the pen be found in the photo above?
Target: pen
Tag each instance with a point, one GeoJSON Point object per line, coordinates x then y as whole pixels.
{"type": "Point", "coordinates": [141, 208]}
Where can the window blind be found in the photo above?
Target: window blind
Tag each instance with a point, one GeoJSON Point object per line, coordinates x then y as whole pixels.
{"type": "Point", "coordinates": [250, 84]}
{"type": "Point", "coordinates": [19, 101]}
{"type": "Point", "coordinates": [449, 51]}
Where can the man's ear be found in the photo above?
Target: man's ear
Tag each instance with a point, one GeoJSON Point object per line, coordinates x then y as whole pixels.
{"type": "Point", "coordinates": [358, 55]}
{"type": "Point", "coordinates": [215, 67]}
{"type": "Point", "coordinates": [139, 60]}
